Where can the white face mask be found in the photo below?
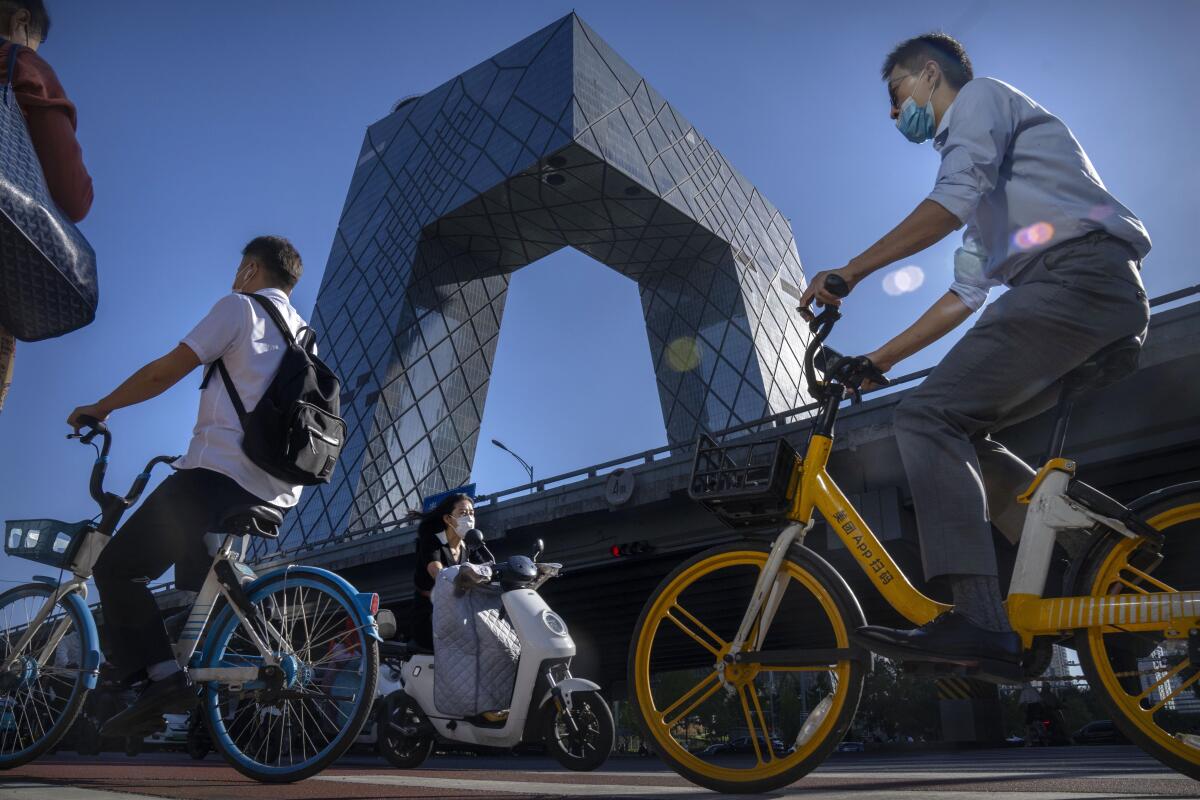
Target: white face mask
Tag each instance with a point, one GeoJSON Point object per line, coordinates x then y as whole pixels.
{"type": "Point", "coordinates": [463, 524]}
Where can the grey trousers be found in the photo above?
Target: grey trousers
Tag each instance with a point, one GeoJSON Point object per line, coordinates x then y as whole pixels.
{"type": "Point", "coordinates": [1074, 299]}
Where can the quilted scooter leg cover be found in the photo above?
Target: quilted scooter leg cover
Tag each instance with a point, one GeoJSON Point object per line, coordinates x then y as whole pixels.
{"type": "Point", "coordinates": [475, 651]}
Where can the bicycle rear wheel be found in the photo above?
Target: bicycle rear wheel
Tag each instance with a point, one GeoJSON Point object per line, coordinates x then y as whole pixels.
{"type": "Point", "coordinates": [292, 727]}
{"type": "Point", "coordinates": [1147, 679]}
{"type": "Point", "coordinates": [43, 690]}
{"type": "Point", "coordinates": [758, 726]}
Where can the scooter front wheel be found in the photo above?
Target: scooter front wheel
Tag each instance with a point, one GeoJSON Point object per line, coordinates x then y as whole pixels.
{"type": "Point", "coordinates": [582, 738]}
{"type": "Point", "coordinates": [397, 743]}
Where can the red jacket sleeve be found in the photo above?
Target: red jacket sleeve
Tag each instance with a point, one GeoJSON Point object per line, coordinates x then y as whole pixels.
{"type": "Point", "coordinates": [51, 120]}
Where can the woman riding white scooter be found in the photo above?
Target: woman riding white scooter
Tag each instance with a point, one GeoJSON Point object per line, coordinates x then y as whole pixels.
{"type": "Point", "coordinates": [499, 616]}
{"type": "Point", "coordinates": [439, 545]}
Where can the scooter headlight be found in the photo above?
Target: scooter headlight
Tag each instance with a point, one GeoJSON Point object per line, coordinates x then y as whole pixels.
{"type": "Point", "coordinates": [554, 623]}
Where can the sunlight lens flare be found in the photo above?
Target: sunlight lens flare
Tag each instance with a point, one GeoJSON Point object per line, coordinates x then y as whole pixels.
{"type": "Point", "coordinates": [683, 354]}
{"type": "Point", "coordinates": [1034, 235]}
{"type": "Point", "coordinates": [903, 280]}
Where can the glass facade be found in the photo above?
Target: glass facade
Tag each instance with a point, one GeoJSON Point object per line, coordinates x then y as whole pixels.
{"type": "Point", "coordinates": [555, 142]}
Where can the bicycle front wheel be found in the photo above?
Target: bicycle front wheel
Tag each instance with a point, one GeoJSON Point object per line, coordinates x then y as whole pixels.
{"type": "Point", "coordinates": [746, 727]}
{"type": "Point", "coordinates": [306, 713]}
{"type": "Point", "coordinates": [43, 689]}
{"type": "Point", "coordinates": [1148, 679]}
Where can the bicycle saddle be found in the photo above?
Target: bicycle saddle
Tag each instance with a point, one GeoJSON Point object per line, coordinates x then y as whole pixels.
{"type": "Point", "coordinates": [251, 520]}
{"type": "Point", "coordinates": [1107, 365]}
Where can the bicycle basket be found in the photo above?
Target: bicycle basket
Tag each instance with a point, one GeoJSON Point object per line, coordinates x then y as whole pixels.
{"type": "Point", "coordinates": [46, 541]}
{"type": "Point", "coordinates": [744, 483]}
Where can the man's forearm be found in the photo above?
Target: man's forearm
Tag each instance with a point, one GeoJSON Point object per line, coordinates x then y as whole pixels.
{"type": "Point", "coordinates": [152, 379]}
{"type": "Point", "coordinates": [942, 317]}
{"type": "Point", "coordinates": [149, 381]}
{"type": "Point", "coordinates": [928, 224]}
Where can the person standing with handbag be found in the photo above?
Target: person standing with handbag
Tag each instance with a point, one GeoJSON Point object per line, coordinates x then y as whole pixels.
{"type": "Point", "coordinates": [50, 117]}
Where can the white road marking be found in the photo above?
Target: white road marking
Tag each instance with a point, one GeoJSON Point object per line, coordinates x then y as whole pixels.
{"type": "Point", "coordinates": [54, 791]}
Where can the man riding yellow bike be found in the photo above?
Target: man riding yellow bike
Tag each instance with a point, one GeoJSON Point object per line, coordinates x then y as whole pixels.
{"type": "Point", "coordinates": [1040, 221]}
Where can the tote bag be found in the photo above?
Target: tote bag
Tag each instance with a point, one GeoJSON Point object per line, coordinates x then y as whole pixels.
{"type": "Point", "coordinates": [47, 268]}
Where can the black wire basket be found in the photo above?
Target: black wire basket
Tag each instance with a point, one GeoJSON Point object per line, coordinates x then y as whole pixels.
{"type": "Point", "coordinates": [46, 541]}
{"type": "Point", "coordinates": [745, 483]}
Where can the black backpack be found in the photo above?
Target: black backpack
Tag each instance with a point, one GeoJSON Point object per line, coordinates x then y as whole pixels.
{"type": "Point", "coordinates": [294, 433]}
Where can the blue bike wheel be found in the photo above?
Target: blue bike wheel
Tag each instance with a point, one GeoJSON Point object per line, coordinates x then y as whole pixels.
{"type": "Point", "coordinates": [44, 686]}
{"type": "Point", "coordinates": [304, 714]}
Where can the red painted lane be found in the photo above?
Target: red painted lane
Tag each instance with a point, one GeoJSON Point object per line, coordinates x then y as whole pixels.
{"type": "Point", "coordinates": [213, 780]}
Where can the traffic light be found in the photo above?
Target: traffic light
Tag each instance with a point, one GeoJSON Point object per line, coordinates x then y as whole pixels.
{"type": "Point", "coordinates": [637, 548]}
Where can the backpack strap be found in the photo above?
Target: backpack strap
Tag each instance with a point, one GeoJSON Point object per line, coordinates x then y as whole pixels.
{"type": "Point", "coordinates": [234, 397]}
{"type": "Point", "coordinates": [273, 312]}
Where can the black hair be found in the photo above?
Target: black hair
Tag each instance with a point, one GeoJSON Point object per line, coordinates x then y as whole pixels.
{"type": "Point", "coordinates": [278, 257]}
{"type": "Point", "coordinates": [948, 52]}
{"type": "Point", "coordinates": [39, 17]}
{"type": "Point", "coordinates": [432, 522]}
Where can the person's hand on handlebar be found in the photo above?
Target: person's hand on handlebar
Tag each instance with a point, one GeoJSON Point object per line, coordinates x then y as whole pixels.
{"type": "Point", "coordinates": [818, 291]}
{"type": "Point", "coordinates": [882, 364]}
{"type": "Point", "coordinates": [95, 411]}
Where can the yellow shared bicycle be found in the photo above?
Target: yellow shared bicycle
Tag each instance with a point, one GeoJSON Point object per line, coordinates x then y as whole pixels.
{"type": "Point", "coordinates": [761, 629]}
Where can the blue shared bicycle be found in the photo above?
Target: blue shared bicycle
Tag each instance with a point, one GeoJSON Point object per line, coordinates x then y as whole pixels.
{"type": "Point", "coordinates": [285, 663]}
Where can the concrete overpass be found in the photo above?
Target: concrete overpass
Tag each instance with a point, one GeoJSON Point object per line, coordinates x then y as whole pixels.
{"type": "Point", "coordinates": [1135, 436]}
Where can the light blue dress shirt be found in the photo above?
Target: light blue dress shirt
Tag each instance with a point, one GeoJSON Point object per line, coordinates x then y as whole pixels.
{"type": "Point", "coordinates": [1016, 176]}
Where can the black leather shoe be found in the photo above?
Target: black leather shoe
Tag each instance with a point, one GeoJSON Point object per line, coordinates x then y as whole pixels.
{"type": "Point", "coordinates": [949, 639]}
{"type": "Point", "coordinates": [172, 695]}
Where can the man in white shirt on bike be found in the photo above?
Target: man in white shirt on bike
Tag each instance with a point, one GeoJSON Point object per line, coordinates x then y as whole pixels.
{"type": "Point", "coordinates": [214, 476]}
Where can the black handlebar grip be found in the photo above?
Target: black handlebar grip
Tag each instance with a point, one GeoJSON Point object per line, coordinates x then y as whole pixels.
{"type": "Point", "coordinates": [836, 285]}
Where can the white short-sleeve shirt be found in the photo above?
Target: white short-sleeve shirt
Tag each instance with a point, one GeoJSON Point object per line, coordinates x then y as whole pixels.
{"type": "Point", "coordinates": [240, 333]}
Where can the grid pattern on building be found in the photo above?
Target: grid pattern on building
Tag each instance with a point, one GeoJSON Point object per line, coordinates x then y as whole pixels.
{"type": "Point", "coordinates": [555, 142]}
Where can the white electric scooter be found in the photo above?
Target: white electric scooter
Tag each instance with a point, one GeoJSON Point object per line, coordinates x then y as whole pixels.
{"type": "Point", "coordinates": [548, 704]}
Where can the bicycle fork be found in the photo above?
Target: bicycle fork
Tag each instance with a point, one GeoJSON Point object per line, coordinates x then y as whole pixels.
{"type": "Point", "coordinates": [767, 594]}
{"type": "Point", "coordinates": [60, 630]}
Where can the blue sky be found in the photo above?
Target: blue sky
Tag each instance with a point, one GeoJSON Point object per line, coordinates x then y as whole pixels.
{"type": "Point", "coordinates": [204, 124]}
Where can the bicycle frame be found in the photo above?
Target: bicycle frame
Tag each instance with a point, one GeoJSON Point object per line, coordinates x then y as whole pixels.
{"type": "Point", "coordinates": [197, 621]}
{"type": "Point", "coordinates": [202, 607]}
{"type": "Point", "coordinates": [1030, 614]}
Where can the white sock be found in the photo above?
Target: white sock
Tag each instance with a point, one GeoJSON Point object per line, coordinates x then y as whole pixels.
{"type": "Point", "coordinates": [161, 670]}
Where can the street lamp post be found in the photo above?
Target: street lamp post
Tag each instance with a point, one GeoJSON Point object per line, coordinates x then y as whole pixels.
{"type": "Point", "coordinates": [524, 463]}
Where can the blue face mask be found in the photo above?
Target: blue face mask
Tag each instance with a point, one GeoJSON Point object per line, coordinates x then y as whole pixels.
{"type": "Point", "coordinates": [916, 122]}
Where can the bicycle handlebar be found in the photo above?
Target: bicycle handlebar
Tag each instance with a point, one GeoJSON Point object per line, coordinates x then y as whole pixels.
{"type": "Point", "coordinates": [105, 500]}
{"type": "Point", "coordinates": [850, 372]}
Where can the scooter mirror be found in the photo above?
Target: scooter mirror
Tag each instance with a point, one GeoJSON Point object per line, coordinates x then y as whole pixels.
{"type": "Point", "coordinates": [474, 539]}
{"type": "Point", "coordinates": [386, 621]}
{"type": "Point", "coordinates": [538, 547]}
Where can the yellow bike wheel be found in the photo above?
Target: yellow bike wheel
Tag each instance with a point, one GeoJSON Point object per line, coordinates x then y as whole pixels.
{"type": "Point", "coordinates": [745, 727]}
{"type": "Point", "coordinates": [1147, 679]}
